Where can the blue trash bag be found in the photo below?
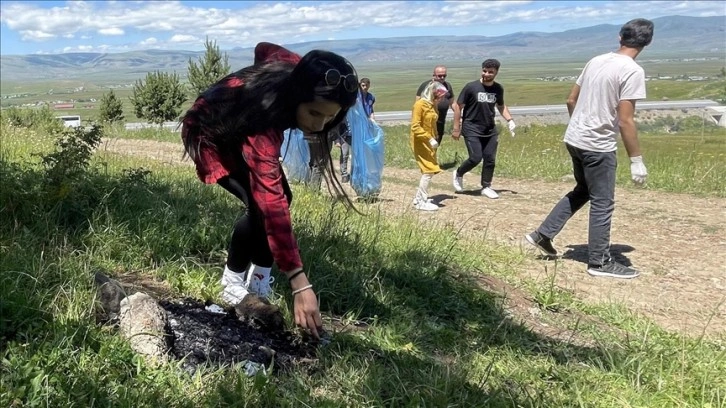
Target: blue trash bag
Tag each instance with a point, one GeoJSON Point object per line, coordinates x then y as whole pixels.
{"type": "Point", "coordinates": [295, 156]}
{"type": "Point", "coordinates": [366, 152]}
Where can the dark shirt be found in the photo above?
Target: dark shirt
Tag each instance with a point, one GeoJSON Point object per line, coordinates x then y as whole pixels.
{"type": "Point", "coordinates": [444, 103]}
{"type": "Point", "coordinates": [368, 101]}
{"type": "Point", "coordinates": [478, 113]}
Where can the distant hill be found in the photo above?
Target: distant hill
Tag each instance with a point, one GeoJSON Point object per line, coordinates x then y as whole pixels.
{"type": "Point", "coordinates": [675, 37]}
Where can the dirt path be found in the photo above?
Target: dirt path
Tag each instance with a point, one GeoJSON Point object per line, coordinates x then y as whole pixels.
{"type": "Point", "coordinates": [677, 241]}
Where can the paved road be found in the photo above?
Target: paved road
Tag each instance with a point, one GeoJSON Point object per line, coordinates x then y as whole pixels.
{"type": "Point", "coordinates": [383, 117]}
{"type": "Point", "coordinates": [139, 125]}
{"type": "Point", "coordinates": [404, 116]}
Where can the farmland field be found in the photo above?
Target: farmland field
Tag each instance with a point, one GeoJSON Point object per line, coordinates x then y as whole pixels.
{"type": "Point", "coordinates": [395, 85]}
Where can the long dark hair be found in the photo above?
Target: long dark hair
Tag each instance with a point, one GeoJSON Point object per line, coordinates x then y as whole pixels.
{"type": "Point", "coordinates": [309, 83]}
{"type": "Point", "coordinates": [243, 103]}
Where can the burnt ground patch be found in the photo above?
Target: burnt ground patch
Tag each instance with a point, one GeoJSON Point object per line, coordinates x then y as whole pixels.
{"type": "Point", "coordinates": [202, 338]}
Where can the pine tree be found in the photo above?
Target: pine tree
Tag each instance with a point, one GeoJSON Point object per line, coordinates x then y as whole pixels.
{"type": "Point", "coordinates": [159, 98]}
{"type": "Point", "coordinates": [111, 109]}
{"type": "Point", "coordinates": [212, 67]}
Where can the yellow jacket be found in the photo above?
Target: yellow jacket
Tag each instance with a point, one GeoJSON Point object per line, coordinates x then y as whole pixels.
{"type": "Point", "coordinates": [423, 128]}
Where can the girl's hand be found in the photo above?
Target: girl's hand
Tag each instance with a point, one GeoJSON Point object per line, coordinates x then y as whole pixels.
{"type": "Point", "coordinates": [307, 313]}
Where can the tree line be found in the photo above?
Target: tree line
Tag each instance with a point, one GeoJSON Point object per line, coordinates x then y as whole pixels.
{"type": "Point", "coordinates": [158, 98]}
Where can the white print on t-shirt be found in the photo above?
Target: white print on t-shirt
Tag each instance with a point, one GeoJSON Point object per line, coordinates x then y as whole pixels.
{"type": "Point", "coordinates": [486, 97]}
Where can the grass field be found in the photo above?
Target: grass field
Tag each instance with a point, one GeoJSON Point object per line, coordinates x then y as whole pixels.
{"type": "Point", "coordinates": [395, 85]}
{"type": "Point", "coordinates": [674, 161]}
{"type": "Point", "coordinates": [433, 339]}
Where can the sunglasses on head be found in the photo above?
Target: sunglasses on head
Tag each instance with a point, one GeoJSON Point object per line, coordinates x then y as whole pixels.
{"type": "Point", "coordinates": [333, 78]}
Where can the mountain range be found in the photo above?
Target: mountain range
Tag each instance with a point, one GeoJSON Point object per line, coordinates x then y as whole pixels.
{"type": "Point", "coordinates": [675, 37]}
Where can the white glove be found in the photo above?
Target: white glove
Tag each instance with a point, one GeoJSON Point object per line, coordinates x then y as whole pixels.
{"type": "Point", "coordinates": [512, 126]}
{"type": "Point", "coordinates": [637, 170]}
{"type": "Point", "coordinates": [434, 144]}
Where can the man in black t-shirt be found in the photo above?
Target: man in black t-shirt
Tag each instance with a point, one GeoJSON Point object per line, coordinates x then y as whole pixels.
{"type": "Point", "coordinates": [476, 105]}
{"type": "Point", "coordinates": [445, 103]}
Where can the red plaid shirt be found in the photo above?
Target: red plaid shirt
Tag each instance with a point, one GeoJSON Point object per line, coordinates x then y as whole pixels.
{"type": "Point", "coordinates": [261, 152]}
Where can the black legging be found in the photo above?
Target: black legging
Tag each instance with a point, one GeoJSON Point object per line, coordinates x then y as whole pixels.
{"type": "Point", "coordinates": [249, 238]}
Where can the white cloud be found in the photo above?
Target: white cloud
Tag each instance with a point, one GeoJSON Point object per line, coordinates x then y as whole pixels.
{"type": "Point", "coordinates": [245, 23]}
{"type": "Point", "coordinates": [149, 41]}
{"type": "Point", "coordinates": [111, 31]}
{"type": "Point", "coordinates": [183, 38]}
{"type": "Point", "coordinates": [35, 35]}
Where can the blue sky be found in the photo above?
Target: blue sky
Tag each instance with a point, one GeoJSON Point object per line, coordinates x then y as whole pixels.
{"type": "Point", "coordinates": [51, 27]}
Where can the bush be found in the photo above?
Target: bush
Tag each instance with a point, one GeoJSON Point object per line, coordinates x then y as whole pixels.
{"type": "Point", "coordinates": [41, 118]}
{"type": "Point", "coordinates": [111, 110]}
{"type": "Point", "coordinates": [159, 97]}
{"type": "Point", "coordinates": [670, 124]}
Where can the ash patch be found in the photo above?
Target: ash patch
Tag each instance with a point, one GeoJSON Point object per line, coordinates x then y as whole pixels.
{"type": "Point", "coordinates": [204, 338]}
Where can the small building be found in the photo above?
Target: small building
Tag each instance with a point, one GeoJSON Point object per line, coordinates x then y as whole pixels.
{"type": "Point", "coordinates": [71, 121]}
{"type": "Point", "coordinates": [718, 114]}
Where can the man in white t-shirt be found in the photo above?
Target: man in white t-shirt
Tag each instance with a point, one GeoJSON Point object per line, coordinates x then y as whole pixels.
{"type": "Point", "coordinates": [601, 105]}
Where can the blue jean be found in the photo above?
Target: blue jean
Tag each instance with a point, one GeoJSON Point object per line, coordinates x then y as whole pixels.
{"type": "Point", "coordinates": [595, 176]}
{"type": "Point", "coordinates": [480, 149]}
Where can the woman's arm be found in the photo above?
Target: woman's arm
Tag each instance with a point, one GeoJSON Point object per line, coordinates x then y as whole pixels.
{"type": "Point", "coordinates": [261, 152]}
{"type": "Point", "coordinates": [417, 120]}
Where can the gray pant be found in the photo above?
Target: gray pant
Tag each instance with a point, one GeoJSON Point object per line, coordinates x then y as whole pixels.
{"type": "Point", "coordinates": [318, 161]}
{"type": "Point", "coordinates": [595, 176]}
{"type": "Point", "coordinates": [344, 156]}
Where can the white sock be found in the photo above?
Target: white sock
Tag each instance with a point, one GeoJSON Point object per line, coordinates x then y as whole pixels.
{"type": "Point", "coordinates": [230, 277]}
{"type": "Point", "coordinates": [422, 193]}
{"type": "Point", "coordinates": [261, 272]}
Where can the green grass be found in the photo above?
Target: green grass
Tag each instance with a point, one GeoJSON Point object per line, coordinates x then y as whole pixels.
{"type": "Point", "coordinates": [434, 338]}
{"type": "Point", "coordinates": [696, 152]}
{"type": "Point", "coordinates": [156, 134]}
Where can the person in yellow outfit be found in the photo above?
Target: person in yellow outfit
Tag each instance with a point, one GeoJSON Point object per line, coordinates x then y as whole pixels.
{"type": "Point", "coordinates": [423, 141]}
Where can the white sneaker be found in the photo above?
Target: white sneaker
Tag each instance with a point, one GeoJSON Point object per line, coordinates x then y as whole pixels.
{"type": "Point", "coordinates": [259, 281]}
{"type": "Point", "coordinates": [458, 183]}
{"type": "Point", "coordinates": [426, 206]}
{"type": "Point", "coordinates": [428, 200]}
{"type": "Point", "coordinates": [234, 286]}
{"type": "Point", "coordinates": [233, 294]}
{"type": "Point", "coordinates": [489, 193]}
